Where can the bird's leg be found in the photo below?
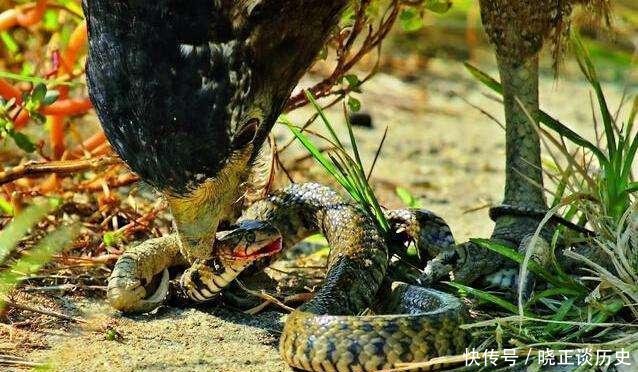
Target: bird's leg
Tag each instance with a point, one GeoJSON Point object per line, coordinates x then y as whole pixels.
{"type": "Point", "coordinates": [134, 274]}
{"type": "Point", "coordinates": [523, 169]}
{"type": "Point", "coordinates": [523, 179]}
{"type": "Point", "coordinates": [523, 172]}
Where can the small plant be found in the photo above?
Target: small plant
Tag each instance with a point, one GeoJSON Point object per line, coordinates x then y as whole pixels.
{"type": "Point", "coordinates": [345, 168]}
{"type": "Point", "coordinates": [31, 103]}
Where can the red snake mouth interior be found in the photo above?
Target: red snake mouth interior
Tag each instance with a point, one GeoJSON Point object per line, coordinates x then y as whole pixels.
{"type": "Point", "coordinates": [269, 249]}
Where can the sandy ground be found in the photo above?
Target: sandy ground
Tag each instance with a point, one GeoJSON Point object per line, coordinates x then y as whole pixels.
{"type": "Point", "coordinates": [438, 147]}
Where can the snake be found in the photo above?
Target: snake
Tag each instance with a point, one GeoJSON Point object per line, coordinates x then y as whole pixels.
{"type": "Point", "coordinates": [359, 319]}
{"type": "Point", "coordinates": [405, 323]}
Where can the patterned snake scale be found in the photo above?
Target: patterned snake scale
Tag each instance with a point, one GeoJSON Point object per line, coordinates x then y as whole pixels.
{"type": "Point", "coordinates": [326, 333]}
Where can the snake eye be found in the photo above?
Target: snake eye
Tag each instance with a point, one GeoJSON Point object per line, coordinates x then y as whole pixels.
{"type": "Point", "coordinates": [246, 134]}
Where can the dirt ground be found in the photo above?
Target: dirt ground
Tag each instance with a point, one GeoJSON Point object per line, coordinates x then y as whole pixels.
{"type": "Point", "coordinates": [439, 147]}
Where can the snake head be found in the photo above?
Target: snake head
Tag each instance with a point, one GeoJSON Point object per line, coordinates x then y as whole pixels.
{"type": "Point", "coordinates": [248, 240]}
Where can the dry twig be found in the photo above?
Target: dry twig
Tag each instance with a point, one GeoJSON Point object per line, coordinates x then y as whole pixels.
{"type": "Point", "coordinates": [55, 167]}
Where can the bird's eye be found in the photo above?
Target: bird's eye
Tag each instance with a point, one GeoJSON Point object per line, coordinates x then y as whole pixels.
{"type": "Point", "coordinates": [246, 134]}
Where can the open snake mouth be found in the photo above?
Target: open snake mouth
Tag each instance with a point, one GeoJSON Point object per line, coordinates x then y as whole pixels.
{"type": "Point", "coordinates": [267, 250]}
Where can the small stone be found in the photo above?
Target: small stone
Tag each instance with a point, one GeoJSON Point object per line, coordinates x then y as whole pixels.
{"type": "Point", "coordinates": [361, 119]}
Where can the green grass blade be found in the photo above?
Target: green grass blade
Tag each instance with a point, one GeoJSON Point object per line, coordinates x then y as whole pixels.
{"type": "Point", "coordinates": [18, 228]}
{"type": "Point", "coordinates": [484, 78]}
{"type": "Point", "coordinates": [632, 116]}
{"type": "Point", "coordinates": [323, 117]}
{"type": "Point", "coordinates": [35, 79]}
{"type": "Point", "coordinates": [563, 130]}
{"type": "Point", "coordinates": [485, 296]}
{"type": "Point", "coordinates": [560, 314]}
{"type": "Point", "coordinates": [6, 207]}
{"type": "Point", "coordinates": [551, 292]}
{"type": "Point", "coordinates": [543, 117]}
{"type": "Point", "coordinates": [588, 69]}
{"type": "Point", "coordinates": [36, 258]}
{"type": "Point", "coordinates": [345, 168]}
{"type": "Point", "coordinates": [533, 266]}
{"type": "Point", "coordinates": [629, 158]}
{"type": "Point", "coordinates": [315, 152]}
{"type": "Point", "coordinates": [561, 186]}
{"type": "Point", "coordinates": [632, 187]}
{"type": "Point", "coordinates": [607, 311]}
{"type": "Point", "coordinates": [407, 198]}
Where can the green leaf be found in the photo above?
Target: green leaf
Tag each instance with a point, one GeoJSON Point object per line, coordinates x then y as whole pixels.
{"type": "Point", "coordinates": [38, 117]}
{"type": "Point", "coordinates": [354, 104]}
{"type": "Point", "coordinates": [354, 83]}
{"type": "Point", "coordinates": [438, 6]}
{"type": "Point", "coordinates": [5, 206]}
{"type": "Point", "coordinates": [38, 93]}
{"type": "Point", "coordinates": [9, 42]}
{"type": "Point", "coordinates": [348, 15]}
{"type": "Point", "coordinates": [22, 141]}
{"type": "Point", "coordinates": [112, 238]}
{"type": "Point", "coordinates": [50, 97]}
{"type": "Point", "coordinates": [50, 20]}
{"type": "Point", "coordinates": [410, 20]}
{"type": "Point", "coordinates": [352, 79]}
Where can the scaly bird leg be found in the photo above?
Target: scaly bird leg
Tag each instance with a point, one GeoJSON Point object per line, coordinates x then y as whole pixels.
{"type": "Point", "coordinates": [523, 180]}
{"type": "Point", "coordinates": [523, 171]}
{"type": "Point", "coordinates": [517, 29]}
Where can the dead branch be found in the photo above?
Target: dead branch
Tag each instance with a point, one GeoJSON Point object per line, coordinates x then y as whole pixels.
{"type": "Point", "coordinates": [34, 169]}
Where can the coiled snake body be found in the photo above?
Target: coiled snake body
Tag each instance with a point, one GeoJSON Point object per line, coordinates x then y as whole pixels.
{"type": "Point", "coordinates": [409, 323]}
{"type": "Point", "coordinates": [325, 334]}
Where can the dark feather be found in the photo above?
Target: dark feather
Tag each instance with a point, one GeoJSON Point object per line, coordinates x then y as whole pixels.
{"type": "Point", "coordinates": [162, 76]}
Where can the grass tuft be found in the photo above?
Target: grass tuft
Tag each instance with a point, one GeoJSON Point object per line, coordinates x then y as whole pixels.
{"type": "Point", "coordinates": [593, 186]}
{"type": "Point", "coordinates": [346, 168]}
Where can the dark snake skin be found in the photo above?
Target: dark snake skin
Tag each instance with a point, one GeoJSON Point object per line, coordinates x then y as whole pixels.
{"type": "Point", "coordinates": [326, 333]}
